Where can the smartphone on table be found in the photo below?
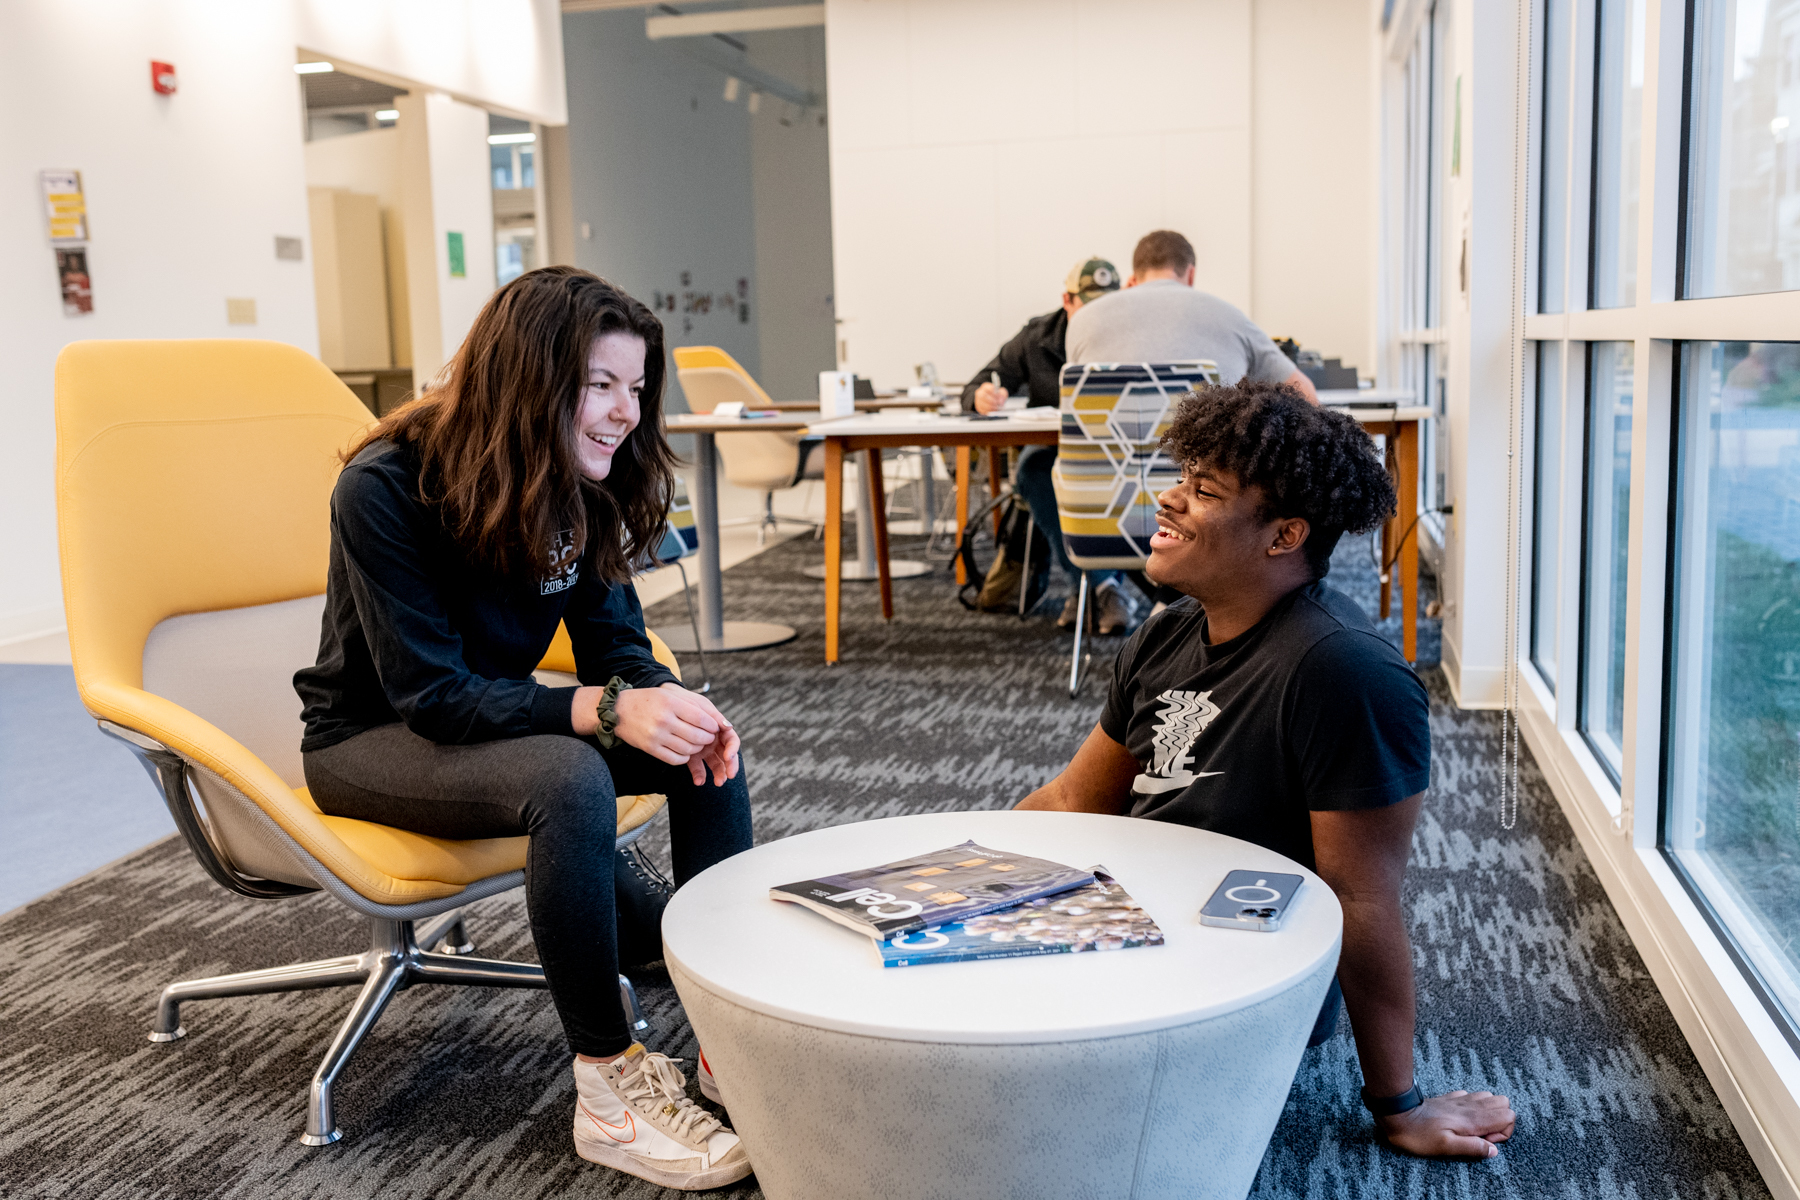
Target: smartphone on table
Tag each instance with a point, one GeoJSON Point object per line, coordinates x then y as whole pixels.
{"type": "Point", "coordinates": [1251, 900]}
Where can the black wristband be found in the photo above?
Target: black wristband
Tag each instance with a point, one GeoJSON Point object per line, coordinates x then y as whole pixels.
{"type": "Point", "coordinates": [1388, 1106]}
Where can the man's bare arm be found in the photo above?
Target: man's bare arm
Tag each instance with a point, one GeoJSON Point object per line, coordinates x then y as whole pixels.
{"type": "Point", "coordinates": [1362, 854]}
{"type": "Point", "coordinates": [1097, 780]}
{"type": "Point", "coordinates": [1300, 383]}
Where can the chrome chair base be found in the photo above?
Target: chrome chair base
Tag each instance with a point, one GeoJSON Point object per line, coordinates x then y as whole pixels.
{"type": "Point", "coordinates": [455, 941]}
{"type": "Point", "coordinates": [1078, 662]}
{"type": "Point", "coordinates": [392, 963]}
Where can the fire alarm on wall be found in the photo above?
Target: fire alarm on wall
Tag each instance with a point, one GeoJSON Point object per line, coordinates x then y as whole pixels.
{"type": "Point", "coordinates": [162, 78]}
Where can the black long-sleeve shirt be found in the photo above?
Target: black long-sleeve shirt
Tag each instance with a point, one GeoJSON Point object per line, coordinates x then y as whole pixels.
{"type": "Point", "coordinates": [414, 632]}
{"type": "Point", "coordinates": [1033, 356]}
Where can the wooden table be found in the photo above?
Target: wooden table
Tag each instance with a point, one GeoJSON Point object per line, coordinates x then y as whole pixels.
{"type": "Point", "coordinates": [716, 633]}
{"type": "Point", "coordinates": [874, 433]}
{"type": "Point", "coordinates": [1386, 412]}
{"type": "Point", "coordinates": [1392, 413]}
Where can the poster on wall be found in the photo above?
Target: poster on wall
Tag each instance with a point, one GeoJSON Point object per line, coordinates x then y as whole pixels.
{"type": "Point", "coordinates": [64, 205]}
{"type": "Point", "coordinates": [77, 289]}
{"type": "Point", "coordinates": [459, 266]}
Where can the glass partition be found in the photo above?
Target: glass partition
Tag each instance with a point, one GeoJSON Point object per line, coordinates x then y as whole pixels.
{"type": "Point", "coordinates": [1606, 540]}
{"type": "Point", "coordinates": [1743, 149]}
{"type": "Point", "coordinates": [1731, 811]}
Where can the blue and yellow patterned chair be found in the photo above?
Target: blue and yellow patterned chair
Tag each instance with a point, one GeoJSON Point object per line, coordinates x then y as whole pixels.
{"type": "Point", "coordinates": [1110, 467]}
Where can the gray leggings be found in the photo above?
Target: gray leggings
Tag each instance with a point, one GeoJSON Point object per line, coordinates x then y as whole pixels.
{"type": "Point", "coordinates": [562, 791]}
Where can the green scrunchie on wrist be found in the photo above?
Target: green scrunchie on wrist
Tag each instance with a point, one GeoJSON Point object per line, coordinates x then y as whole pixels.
{"type": "Point", "coordinates": [609, 713]}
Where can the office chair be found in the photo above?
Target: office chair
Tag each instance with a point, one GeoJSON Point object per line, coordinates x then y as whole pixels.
{"type": "Point", "coordinates": [1110, 466]}
{"type": "Point", "coordinates": [764, 460]}
{"type": "Point", "coordinates": [193, 482]}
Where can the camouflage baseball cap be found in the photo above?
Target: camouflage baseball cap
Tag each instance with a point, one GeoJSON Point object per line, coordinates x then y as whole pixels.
{"type": "Point", "coordinates": [1091, 279]}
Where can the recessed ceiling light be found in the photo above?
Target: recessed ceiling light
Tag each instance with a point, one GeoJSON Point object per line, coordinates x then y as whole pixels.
{"type": "Point", "coordinates": [387, 114]}
{"type": "Point", "coordinates": [510, 139]}
{"type": "Point", "coordinates": [313, 68]}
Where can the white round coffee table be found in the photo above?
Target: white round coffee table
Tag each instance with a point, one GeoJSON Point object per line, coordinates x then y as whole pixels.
{"type": "Point", "coordinates": [1157, 1071]}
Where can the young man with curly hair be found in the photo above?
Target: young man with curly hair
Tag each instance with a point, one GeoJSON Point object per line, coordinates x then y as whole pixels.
{"type": "Point", "coordinates": [1309, 732]}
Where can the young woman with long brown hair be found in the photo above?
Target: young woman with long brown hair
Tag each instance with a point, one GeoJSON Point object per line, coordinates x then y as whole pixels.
{"type": "Point", "coordinates": [514, 495]}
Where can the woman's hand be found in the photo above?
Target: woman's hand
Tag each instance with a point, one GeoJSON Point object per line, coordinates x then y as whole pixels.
{"type": "Point", "coordinates": [989, 397]}
{"type": "Point", "coordinates": [673, 724]}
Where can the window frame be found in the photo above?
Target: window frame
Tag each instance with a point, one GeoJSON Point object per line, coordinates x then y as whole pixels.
{"type": "Point", "coordinates": [1786, 1022]}
{"type": "Point", "coordinates": [1751, 1061]}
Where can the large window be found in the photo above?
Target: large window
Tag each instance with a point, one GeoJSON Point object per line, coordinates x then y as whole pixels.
{"type": "Point", "coordinates": [1606, 542]}
{"type": "Point", "coordinates": [1743, 216]}
{"type": "Point", "coordinates": [1618, 120]}
{"type": "Point", "coordinates": [1421, 359]}
{"type": "Point", "coordinates": [1546, 508]}
{"type": "Point", "coordinates": [1662, 496]}
{"type": "Point", "coordinates": [1731, 814]}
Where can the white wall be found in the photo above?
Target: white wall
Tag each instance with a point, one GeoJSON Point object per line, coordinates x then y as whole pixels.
{"type": "Point", "coordinates": [506, 54]}
{"type": "Point", "coordinates": [186, 194]}
{"type": "Point", "coordinates": [1316, 181]}
{"type": "Point", "coordinates": [979, 148]}
{"type": "Point", "coordinates": [445, 186]}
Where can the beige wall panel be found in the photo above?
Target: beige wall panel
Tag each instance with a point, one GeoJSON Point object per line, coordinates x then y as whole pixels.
{"type": "Point", "coordinates": [393, 229]}
{"type": "Point", "coordinates": [350, 278]}
{"type": "Point", "coordinates": [370, 162]}
{"type": "Point", "coordinates": [557, 236]}
{"type": "Point", "coordinates": [362, 275]}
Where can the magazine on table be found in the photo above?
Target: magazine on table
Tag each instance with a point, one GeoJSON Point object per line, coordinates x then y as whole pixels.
{"type": "Point", "coordinates": [939, 888]}
{"type": "Point", "coordinates": [1100, 916]}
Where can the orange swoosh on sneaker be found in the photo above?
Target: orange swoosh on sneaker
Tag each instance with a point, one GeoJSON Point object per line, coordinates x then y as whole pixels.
{"type": "Point", "coordinates": [618, 1133]}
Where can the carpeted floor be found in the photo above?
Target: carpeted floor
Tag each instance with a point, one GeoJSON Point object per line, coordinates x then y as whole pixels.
{"type": "Point", "coordinates": [1528, 983]}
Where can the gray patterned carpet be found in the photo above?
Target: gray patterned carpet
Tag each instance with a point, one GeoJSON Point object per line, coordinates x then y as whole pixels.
{"type": "Point", "coordinates": [1528, 983]}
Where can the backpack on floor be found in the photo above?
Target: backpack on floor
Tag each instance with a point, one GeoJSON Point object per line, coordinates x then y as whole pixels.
{"type": "Point", "coordinates": [1020, 573]}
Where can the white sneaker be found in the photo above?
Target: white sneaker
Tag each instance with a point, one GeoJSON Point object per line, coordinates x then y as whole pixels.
{"type": "Point", "coordinates": [709, 1087]}
{"type": "Point", "coordinates": [633, 1115]}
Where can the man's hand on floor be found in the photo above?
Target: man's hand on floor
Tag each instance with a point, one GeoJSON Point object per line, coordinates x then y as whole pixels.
{"type": "Point", "coordinates": [1454, 1125]}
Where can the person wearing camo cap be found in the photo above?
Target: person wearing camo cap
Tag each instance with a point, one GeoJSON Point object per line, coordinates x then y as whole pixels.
{"type": "Point", "coordinates": [1033, 359]}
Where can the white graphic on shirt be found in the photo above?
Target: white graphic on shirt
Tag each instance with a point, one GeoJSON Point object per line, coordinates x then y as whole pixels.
{"type": "Point", "coordinates": [1184, 716]}
{"type": "Point", "coordinates": [567, 573]}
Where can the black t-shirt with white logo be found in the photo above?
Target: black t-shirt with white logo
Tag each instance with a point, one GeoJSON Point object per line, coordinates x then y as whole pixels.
{"type": "Point", "coordinates": [1310, 709]}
